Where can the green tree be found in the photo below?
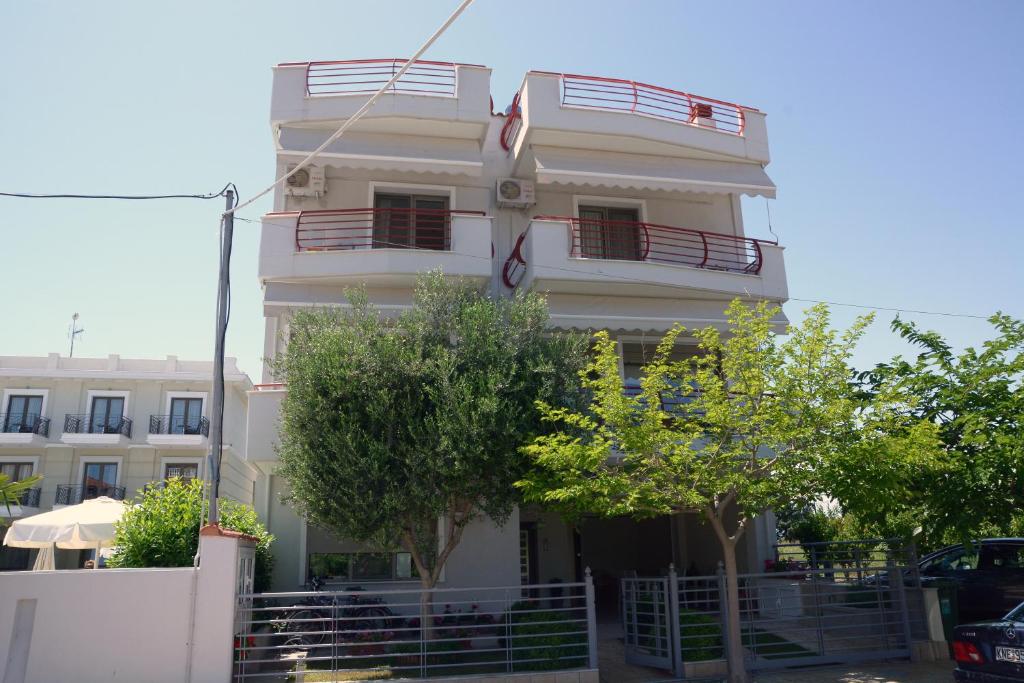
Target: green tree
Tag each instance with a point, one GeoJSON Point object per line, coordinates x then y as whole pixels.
{"type": "Point", "coordinates": [975, 399]}
{"type": "Point", "coordinates": [391, 425]}
{"type": "Point", "coordinates": [12, 491]}
{"type": "Point", "coordinates": [748, 424]}
{"type": "Point", "coordinates": [161, 529]}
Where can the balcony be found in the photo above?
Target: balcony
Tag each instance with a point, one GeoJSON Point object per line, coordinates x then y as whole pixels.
{"type": "Point", "coordinates": [178, 431]}
{"type": "Point", "coordinates": [262, 420]}
{"type": "Point", "coordinates": [85, 430]}
{"type": "Point", "coordinates": [27, 504]}
{"type": "Point", "coordinates": [617, 115]}
{"type": "Point", "coordinates": [23, 430]}
{"type": "Point", "coordinates": [564, 255]}
{"type": "Point", "coordinates": [73, 495]}
{"type": "Point", "coordinates": [379, 247]}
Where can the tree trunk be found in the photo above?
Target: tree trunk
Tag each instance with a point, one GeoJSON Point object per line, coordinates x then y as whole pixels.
{"type": "Point", "coordinates": [731, 609]}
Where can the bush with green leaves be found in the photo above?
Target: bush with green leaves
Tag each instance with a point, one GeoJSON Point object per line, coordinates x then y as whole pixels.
{"type": "Point", "coordinates": [700, 636]}
{"type": "Point", "coordinates": [543, 639]}
{"type": "Point", "coordinates": [161, 529]}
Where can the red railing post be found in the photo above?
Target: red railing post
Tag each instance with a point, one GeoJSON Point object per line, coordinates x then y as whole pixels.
{"type": "Point", "coordinates": [704, 241]}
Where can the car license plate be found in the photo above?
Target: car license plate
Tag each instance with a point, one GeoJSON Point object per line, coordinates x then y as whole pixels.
{"type": "Point", "coordinates": [1010, 654]}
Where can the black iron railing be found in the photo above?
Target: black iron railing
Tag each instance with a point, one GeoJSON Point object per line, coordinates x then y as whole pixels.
{"type": "Point", "coordinates": [73, 495]}
{"type": "Point", "coordinates": [11, 423]}
{"type": "Point", "coordinates": [29, 498]}
{"type": "Point", "coordinates": [89, 424]}
{"type": "Point", "coordinates": [178, 424]}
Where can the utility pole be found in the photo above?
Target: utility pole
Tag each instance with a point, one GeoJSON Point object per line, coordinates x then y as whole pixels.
{"type": "Point", "coordinates": [75, 331]}
{"type": "Point", "coordinates": [217, 422]}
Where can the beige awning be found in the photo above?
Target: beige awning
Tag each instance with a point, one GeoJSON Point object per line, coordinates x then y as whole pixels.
{"type": "Point", "coordinates": [643, 172]}
{"type": "Point", "coordinates": [379, 152]}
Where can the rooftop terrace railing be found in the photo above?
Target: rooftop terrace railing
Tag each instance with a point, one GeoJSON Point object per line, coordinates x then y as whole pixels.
{"type": "Point", "coordinates": [366, 76]}
{"type": "Point", "coordinates": [616, 94]}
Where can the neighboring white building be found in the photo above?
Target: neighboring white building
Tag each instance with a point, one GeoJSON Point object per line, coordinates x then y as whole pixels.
{"type": "Point", "coordinates": [110, 426]}
{"type": "Point", "coordinates": [620, 200]}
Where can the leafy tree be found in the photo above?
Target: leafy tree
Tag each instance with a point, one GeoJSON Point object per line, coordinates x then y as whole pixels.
{"type": "Point", "coordinates": [750, 423]}
{"type": "Point", "coordinates": [162, 529]}
{"type": "Point", "coordinates": [391, 425]}
{"type": "Point", "coordinates": [12, 491]}
{"type": "Point", "coordinates": [975, 399]}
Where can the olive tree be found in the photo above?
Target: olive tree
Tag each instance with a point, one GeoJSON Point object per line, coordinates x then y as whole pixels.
{"type": "Point", "coordinates": [750, 423]}
{"type": "Point", "coordinates": [399, 431]}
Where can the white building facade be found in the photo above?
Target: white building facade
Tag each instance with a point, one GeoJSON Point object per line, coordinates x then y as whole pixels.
{"type": "Point", "coordinates": [110, 427]}
{"type": "Point", "coordinates": [621, 201]}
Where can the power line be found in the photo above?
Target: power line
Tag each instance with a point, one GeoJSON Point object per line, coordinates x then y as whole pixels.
{"type": "Point", "coordinates": [362, 110]}
{"type": "Point", "coordinates": [130, 197]}
{"type": "Point", "coordinates": [578, 271]}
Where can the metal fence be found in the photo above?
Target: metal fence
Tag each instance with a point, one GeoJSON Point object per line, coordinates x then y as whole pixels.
{"type": "Point", "coordinates": [816, 605]}
{"type": "Point", "coordinates": [380, 634]}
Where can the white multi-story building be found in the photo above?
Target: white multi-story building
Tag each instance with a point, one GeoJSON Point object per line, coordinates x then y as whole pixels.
{"type": "Point", "coordinates": [111, 426]}
{"type": "Point", "coordinates": [619, 200]}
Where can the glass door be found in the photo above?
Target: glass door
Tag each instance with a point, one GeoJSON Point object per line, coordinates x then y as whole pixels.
{"type": "Point", "coordinates": [99, 479]}
{"type": "Point", "coordinates": [186, 414]}
{"type": "Point", "coordinates": [107, 414]}
{"type": "Point", "coordinates": [608, 232]}
{"type": "Point", "coordinates": [22, 414]}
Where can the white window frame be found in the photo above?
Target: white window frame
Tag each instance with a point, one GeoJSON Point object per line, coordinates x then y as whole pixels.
{"type": "Point", "coordinates": [102, 393]}
{"type": "Point", "coordinates": [171, 395]}
{"type": "Point", "coordinates": [90, 459]}
{"type": "Point", "coordinates": [411, 189]}
{"type": "Point", "coordinates": [45, 393]}
{"type": "Point", "coordinates": [34, 459]}
{"type": "Point", "coordinates": [618, 202]}
{"type": "Point", "coordinates": [198, 460]}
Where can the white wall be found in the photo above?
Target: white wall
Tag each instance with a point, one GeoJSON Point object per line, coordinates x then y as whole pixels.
{"type": "Point", "coordinates": [101, 625]}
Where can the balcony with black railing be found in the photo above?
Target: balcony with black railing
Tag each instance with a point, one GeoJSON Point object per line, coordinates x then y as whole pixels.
{"type": "Point", "coordinates": [21, 429]}
{"type": "Point", "coordinates": [96, 430]}
{"type": "Point", "coordinates": [178, 431]}
{"type": "Point", "coordinates": [73, 495]}
{"type": "Point", "coordinates": [29, 498]}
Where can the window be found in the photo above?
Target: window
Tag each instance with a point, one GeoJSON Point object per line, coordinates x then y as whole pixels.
{"type": "Point", "coordinates": [955, 559]}
{"type": "Point", "coordinates": [410, 221]}
{"type": "Point", "coordinates": [16, 471]}
{"type": "Point", "coordinates": [609, 232]}
{"type": "Point", "coordinates": [186, 416]}
{"type": "Point", "coordinates": [107, 415]}
{"type": "Point", "coordinates": [22, 414]}
{"type": "Point", "coordinates": [999, 556]}
{"type": "Point", "coordinates": [362, 566]}
{"type": "Point", "coordinates": [181, 470]}
{"type": "Point", "coordinates": [99, 479]}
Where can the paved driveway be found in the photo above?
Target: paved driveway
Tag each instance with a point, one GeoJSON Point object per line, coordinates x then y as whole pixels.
{"type": "Point", "coordinates": [896, 672]}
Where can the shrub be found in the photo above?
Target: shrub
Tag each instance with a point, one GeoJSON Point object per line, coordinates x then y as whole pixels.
{"type": "Point", "coordinates": [543, 640]}
{"type": "Point", "coordinates": [161, 529]}
{"type": "Point", "coordinates": [700, 637]}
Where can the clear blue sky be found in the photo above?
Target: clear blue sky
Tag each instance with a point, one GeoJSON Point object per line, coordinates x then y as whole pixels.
{"type": "Point", "coordinates": [897, 132]}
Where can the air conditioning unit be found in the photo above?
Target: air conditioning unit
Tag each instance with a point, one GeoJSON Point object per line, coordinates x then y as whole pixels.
{"type": "Point", "coordinates": [514, 193]}
{"type": "Point", "coordinates": [308, 182]}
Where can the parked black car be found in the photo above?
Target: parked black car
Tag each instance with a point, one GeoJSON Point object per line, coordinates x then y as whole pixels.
{"type": "Point", "coordinates": [990, 651]}
{"type": "Point", "coordinates": [989, 576]}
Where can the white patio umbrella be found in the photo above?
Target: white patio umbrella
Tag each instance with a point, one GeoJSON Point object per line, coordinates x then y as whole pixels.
{"type": "Point", "coordinates": [88, 525]}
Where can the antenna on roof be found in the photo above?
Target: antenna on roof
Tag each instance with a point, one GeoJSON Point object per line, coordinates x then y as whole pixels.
{"type": "Point", "coordinates": [73, 332]}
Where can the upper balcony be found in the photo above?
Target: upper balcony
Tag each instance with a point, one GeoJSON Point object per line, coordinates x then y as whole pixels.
{"type": "Point", "coordinates": [23, 430]}
{"type": "Point", "coordinates": [435, 99]}
{"type": "Point", "coordinates": [97, 430]}
{"type": "Point", "coordinates": [591, 113]}
{"type": "Point", "coordinates": [566, 255]}
{"type": "Point", "coordinates": [178, 431]}
{"type": "Point", "coordinates": [378, 247]}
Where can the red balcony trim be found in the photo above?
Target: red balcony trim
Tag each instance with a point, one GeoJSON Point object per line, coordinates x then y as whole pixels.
{"type": "Point", "coordinates": [515, 264]}
{"type": "Point", "coordinates": [347, 229]}
{"type": "Point", "coordinates": [513, 122]}
{"type": "Point", "coordinates": [654, 243]}
{"type": "Point", "coordinates": [348, 77]}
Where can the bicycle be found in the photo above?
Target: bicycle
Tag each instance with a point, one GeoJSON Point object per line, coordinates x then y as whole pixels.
{"type": "Point", "coordinates": [334, 617]}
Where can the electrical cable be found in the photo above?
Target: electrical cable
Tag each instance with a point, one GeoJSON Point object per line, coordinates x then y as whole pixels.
{"type": "Point", "coordinates": [130, 197]}
{"type": "Point", "coordinates": [362, 110]}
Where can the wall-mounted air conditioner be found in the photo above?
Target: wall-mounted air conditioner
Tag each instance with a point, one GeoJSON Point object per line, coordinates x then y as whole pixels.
{"type": "Point", "coordinates": [308, 182]}
{"type": "Point", "coordinates": [514, 193]}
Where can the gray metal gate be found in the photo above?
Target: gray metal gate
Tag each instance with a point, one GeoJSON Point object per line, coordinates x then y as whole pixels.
{"type": "Point", "coordinates": [647, 619]}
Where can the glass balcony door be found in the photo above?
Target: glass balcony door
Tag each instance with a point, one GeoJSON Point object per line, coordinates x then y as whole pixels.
{"type": "Point", "coordinates": [186, 414]}
{"type": "Point", "coordinates": [99, 478]}
{"type": "Point", "coordinates": [22, 413]}
{"type": "Point", "coordinates": [608, 232]}
{"type": "Point", "coordinates": [410, 222]}
{"type": "Point", "coordinates": [107, 414]}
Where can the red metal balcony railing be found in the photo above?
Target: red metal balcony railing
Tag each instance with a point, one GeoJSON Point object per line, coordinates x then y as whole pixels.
{"type": "Point", "coordinates": [513, 122]}
{"type": "Point", "coordinates": [515, 264]}
{"type": "Point", "coordinates": [350, 229]}
{"type": "Point", "coordinates": [617, 94]}
{"type": "Point", "coordinates": [366, 76]}
{"type": "Point", "coordinates": [650, 242]}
